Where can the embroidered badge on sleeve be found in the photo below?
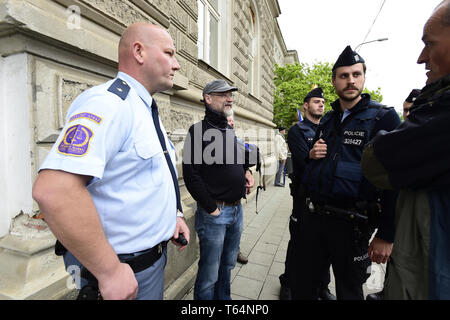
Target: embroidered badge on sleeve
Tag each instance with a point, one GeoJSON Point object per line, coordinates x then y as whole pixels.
{"type": "Point", "coordinates": [76, 141]}
{"type": "Point", "coordinates": [86, 115]}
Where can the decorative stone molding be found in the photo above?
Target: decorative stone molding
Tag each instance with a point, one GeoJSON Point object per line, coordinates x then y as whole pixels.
{"type": "Point", "coordinates": [55, 88]}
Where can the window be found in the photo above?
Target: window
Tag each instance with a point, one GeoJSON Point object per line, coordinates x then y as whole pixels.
{"type": "Point", "coordinates": [253, 53]}
{"type": "Point", "coordinates": [209, 20]}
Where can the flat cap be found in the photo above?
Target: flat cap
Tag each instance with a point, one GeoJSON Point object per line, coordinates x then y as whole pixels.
{"type": "Point", "coordinates": [314, 93]}
{"type": "Point", "coordinates": [218, 85]}
{"type": "Point", "coordinates": [348, 57]}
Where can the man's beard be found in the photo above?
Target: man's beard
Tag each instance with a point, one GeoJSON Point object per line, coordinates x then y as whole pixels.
{"type": "Point", "coordinates": [315, 115]}
{"type": "Point", "coordinates": [342, 96]}
{"type": "Point", "coordinates": [227, 111]}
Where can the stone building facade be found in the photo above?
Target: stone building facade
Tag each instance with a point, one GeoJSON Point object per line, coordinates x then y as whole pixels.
{"type": "Point", "coordinates": [52, 50]}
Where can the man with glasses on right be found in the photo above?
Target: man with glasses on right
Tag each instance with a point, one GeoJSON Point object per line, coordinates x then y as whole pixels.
{"type": "Point", "coordinates": [415, 159]}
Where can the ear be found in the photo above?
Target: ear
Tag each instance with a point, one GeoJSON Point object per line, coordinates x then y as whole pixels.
{"type": "Point", "coordinates": [305, 106]}
{"type": "Point", "coordinates": [208, 99]}
{"type": "Point", "coordinates": [138, 52]}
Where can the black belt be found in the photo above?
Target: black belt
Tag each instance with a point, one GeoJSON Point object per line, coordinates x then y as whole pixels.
{"type": "Point", "coordinates": [344, 213]}
{"type": "Point", "coordinates": [147, 259]}
{"type": "Point", "coordinates": [228, 204]}
{"type": "Point", "coordinates": [137, 264]}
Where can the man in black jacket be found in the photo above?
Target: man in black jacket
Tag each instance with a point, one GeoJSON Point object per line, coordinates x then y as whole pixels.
{"type": "Point", "coordinates": [217, 177]}
{"type": "Point", "coordinates": [414, 159]}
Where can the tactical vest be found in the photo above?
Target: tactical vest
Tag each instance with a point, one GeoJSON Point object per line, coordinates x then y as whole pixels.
{"type": "Point", "coordinates": [338, 177]}
{"type": "Point", "coordinates": [308, 133]}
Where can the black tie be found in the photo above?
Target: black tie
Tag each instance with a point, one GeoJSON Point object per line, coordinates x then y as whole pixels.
{"type": "Point", "coordinates": [166, 153]}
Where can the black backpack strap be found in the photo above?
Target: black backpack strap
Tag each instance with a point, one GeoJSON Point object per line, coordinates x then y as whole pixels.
{"type": "Point", "coordinates": [261, 184]}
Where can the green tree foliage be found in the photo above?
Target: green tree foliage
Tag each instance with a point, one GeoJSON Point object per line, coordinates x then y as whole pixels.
{"type": "Point", "coordinates": [294, 81]}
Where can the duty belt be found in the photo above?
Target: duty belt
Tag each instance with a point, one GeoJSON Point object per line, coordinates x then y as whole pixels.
{"type": "Point", "coordinates": [329, 210]}
{"type": "Point", "coordinates": [137, 264]}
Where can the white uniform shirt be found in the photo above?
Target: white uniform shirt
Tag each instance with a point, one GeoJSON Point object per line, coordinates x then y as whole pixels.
{"type": "Point", "coordinates": [115, 141]}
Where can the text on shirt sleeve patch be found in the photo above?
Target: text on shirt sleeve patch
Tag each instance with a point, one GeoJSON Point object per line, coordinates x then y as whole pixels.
{"type": "Point", "coordinates": [86, 115]}
{"type": "Point", "coordinates": [76, 141]}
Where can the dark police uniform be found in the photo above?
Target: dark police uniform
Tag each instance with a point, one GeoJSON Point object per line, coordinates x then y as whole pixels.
{"type": "Point", "coordinates": [336, 227]}
{"type": "Point", "coordinates": [300, 138]}
{"type": "Point", "coordinates": [300, 141]}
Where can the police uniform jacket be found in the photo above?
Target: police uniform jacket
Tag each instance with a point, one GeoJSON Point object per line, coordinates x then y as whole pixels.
{"type": "Point", "coordinates": [300, 141]}
{"type": "Point", "coordinates": [337, 179]}
{"type": "Point", "coordinates": [110, 135]}
{"type": "Point", "coordinates": [415, 159]}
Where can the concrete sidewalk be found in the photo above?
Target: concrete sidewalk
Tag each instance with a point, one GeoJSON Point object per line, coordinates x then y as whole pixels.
{"type": "Point", "coordinates": [264, 240]}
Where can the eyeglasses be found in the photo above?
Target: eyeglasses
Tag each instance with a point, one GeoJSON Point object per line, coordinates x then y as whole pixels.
{"type": "Point", "coordinates": [222, 94]}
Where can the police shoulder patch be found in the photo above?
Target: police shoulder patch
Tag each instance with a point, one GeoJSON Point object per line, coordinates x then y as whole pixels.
{"type": "Point", "coordinates": [75, 141]}
{"type": "Point", "coordinates": [120, 88]}
{"type": "Point", "coordinates": [86, 115]}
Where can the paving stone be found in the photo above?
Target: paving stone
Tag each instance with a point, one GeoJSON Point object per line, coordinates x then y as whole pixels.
{"type": "Point", "coordinates": [261, 258]}
{"type": "Point", "coordinates": [245, 287]}
{"type": "Point", "coordinates": [254, 271]}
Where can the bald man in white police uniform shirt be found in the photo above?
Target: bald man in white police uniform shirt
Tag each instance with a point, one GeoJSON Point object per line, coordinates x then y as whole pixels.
{"type": "Point", "coordinates": [106, 189]}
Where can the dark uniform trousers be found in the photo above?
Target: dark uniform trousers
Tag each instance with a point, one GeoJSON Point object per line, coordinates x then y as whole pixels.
{"type": "Point", "coordinates": [293, 258]}
{"type": "Point", "coordinates": [326, 239]}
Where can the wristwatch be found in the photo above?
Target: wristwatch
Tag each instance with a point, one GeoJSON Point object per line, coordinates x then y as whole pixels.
{"type": "Point", "coordinates": [180, 214]}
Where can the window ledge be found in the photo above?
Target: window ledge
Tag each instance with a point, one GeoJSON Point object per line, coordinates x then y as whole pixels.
{"type": "Point", "coordinates": [213, 71]}
{"type": "Point", "coordinates": [254, 98]}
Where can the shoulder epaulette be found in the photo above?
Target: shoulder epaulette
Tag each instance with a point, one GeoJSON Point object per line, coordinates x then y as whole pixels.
{"type": "Point", "coordinates": [120, 88]}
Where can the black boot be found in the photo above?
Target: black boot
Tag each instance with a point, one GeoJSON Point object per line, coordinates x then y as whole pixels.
{"type": "Point", "coordinates": [285, 293]}
{"type": "Point", "coordinates": [376, 296]}
{"type": "Point", "coordinates": [325, 294]}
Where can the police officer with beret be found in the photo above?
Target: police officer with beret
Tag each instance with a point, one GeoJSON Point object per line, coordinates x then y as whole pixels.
{"type": "Point", "coordinates": [108, 189]}
{"type": "Point", "coordinates": [300, 140]}
{"type": "Point", "coordinates": [343, 208]}
{"type": "Point", "coordinates": [407, 104]}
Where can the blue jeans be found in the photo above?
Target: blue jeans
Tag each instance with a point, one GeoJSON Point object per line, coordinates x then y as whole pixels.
{"type": "Point", "coordinates": [219, 246]}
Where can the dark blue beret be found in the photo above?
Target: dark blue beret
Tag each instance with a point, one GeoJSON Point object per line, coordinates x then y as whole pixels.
{"type": "Point", "coordinates": [348, 57]}
{"type": "Point", "coordinates": [314, 93]}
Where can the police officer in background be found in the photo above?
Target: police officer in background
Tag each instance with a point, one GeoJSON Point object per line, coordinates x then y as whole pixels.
{"type": "Point", "coordinates": [300, 141]}
{"type": "Point", "coordinates": [343, 207]}
{"type": "Point", "coordinates": [407, 104]}
{"type": "Point", "coordinates": [108, 188]}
